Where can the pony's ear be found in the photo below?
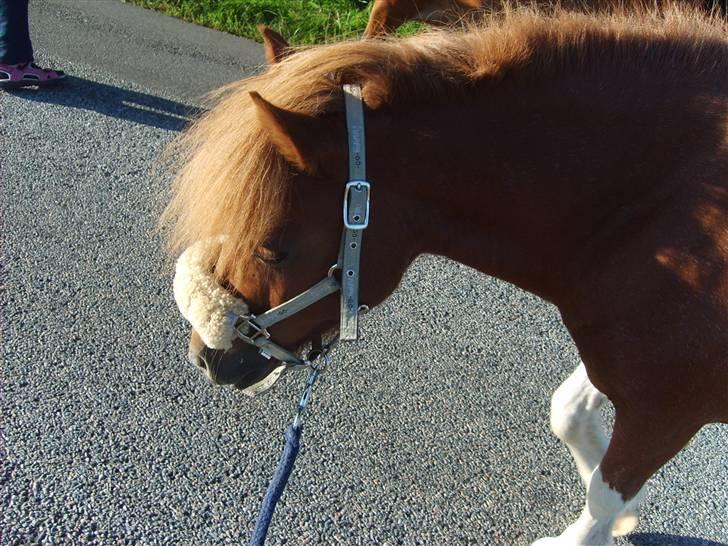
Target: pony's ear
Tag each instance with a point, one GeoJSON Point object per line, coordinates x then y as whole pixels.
{"type": "Point", "coordinates": [276, 46]}
{"type": "Point", "coordinates": [294, 135]}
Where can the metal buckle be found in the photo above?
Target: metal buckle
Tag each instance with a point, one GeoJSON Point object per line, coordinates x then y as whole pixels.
{"type": "Point", "coordinates": [361, 217]}
{"type": "Point", "coordinates": [257, 330]}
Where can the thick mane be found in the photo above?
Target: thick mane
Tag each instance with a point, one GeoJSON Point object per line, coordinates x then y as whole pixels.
{"type": "Point", "coordinates": [232, 182]}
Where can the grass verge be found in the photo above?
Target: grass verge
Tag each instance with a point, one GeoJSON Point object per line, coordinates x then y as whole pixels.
{"type": "Point", "coordinates": [300, 21]}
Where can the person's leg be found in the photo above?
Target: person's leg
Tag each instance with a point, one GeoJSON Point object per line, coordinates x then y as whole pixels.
{"type": "Point", "coordinates": [15, 44]}
{"type": "Point", "coordinates": [17, 68]}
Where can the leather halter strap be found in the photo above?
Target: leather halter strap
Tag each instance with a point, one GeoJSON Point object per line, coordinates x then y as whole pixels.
{"type": "Point", "coordinates": [254, 329]}
{"type": "Point", "coordinates": [317, 292]}
{"type": "Point", "coordinates": [356, 214]}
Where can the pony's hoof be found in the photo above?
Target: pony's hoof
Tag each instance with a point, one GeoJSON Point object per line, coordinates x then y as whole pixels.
{"type": "Point", "coordinates": [565, 541]}
{"type": "Point", "coordinates": [625, 524]}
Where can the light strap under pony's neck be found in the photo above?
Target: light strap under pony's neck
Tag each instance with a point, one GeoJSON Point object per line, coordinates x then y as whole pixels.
{"type": "Point", "coordinates": [356, 214]}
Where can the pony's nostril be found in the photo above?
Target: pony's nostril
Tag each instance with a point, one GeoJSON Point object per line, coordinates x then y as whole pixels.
{"type": "Point", "coordinates": [197, 360]}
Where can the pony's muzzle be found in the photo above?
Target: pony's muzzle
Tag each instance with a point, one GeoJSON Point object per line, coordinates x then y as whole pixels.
{"type": "Point", "coordinates": [241, 365]}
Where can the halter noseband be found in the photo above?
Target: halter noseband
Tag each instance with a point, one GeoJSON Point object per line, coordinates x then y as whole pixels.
{"type": "Point", "coordinates": [254, 329]}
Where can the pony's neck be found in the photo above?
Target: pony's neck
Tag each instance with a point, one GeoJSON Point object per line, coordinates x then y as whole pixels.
{"type": "Point", "coordinates": [521, 181]}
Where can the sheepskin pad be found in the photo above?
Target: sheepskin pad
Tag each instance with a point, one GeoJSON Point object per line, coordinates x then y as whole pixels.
{"type": "Point", "coordinates": [210, 308]}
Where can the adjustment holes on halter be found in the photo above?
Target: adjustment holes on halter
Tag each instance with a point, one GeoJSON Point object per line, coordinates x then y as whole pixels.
{"type": "Point", "coordinates": [353, 245]}
{"type": "Point", "coordinates": [350, 273]}
{"type": "Point", "coordinates": [357, 218]}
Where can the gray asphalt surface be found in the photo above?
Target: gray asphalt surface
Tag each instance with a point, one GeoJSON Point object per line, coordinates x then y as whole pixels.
{"type": "Point", "coordinates": [432, 430]}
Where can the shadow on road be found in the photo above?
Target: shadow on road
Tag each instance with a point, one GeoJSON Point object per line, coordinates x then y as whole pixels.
{"type": "Point", "coordinates": [660, 539]}
{"type": "Point", "coordinates": [114, 102]}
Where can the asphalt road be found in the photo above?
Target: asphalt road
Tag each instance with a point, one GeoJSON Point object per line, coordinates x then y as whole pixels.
{"type": "Point", "coordinates": [432, 430]}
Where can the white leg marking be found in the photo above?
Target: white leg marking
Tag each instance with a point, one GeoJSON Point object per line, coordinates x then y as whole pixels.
{"type": "Point", "coordinates": [629, 518]}
{"type": "Point", "coordinates": [594, 526]}
{"type": "Point", "coordinates": [575, 421]}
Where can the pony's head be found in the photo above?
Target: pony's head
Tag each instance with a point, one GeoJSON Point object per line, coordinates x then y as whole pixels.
{"type": "Point", "coordinates": [257, 211]}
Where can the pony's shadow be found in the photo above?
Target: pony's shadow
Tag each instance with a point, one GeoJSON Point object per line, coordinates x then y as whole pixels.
{"type": "Point", "coordinates": [660, 539]}
{"type": "Point", "coordinates": [115, 102]}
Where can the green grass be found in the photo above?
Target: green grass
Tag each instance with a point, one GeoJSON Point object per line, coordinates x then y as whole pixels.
{"type": "Point", "coordinates": [300, 21]}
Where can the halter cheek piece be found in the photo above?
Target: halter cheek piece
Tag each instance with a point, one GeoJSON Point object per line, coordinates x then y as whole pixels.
{"type": "Point", "coordinates": [254, 329]}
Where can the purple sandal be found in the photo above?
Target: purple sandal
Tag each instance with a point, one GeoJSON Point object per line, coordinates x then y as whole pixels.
{"type": "Point", "coordinates": [26, 74]}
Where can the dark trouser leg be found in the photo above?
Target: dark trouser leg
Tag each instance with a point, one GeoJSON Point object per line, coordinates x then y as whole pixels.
{"type": "Point", "coordinates": [15, 45]}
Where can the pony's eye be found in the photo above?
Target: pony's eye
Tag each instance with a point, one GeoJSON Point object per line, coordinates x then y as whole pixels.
{"type": "Point", "coordinates": [269, 256]}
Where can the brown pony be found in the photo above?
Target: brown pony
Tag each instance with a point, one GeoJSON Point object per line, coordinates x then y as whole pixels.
{"type": "Point", "coordinates": [387, 15]}
{"type": "Point", "coordinates": [581, 158]}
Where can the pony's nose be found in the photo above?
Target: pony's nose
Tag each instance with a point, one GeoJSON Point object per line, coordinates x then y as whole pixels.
{"type": "Point", "coordinates": [219, 367]}
{"type": "Point", "coordinates": [195, 358]}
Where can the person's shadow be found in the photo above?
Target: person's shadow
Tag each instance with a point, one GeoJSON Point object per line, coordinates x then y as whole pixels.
{"type": "Point", "coordinates": [115, 102]}
{"type": "Point", "coordinates": [660, 539]}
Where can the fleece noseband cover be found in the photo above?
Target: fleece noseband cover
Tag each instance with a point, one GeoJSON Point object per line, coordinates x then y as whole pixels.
{"type": "Point", "coordinates": [210, 308]}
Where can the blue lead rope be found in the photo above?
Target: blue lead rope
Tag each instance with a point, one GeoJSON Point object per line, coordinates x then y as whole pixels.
{"type": "Point", "coordinates": [290, 452]}
{"type": "Point", "coordinates": [277, 484]}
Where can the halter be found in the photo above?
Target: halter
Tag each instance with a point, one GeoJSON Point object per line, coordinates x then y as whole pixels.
{"type": "Point", "coordinates": [254, 329]}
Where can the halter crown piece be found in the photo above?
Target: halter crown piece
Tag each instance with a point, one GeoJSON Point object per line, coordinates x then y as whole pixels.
{"type": "Point", "coordinates": [356, 214]}
{"type": "Point", "coordinates": [217, 327]}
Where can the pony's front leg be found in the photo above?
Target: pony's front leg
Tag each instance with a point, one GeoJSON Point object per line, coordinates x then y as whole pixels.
{"type": "Point", "coordinates": [595, 524]}
{"type": "Point", "coordinates": [576, 421]}
{"type": "Point", "coordinates": [639, 446]}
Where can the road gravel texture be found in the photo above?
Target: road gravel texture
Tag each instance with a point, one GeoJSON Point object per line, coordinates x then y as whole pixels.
{"type": "Point", "coordinates": [432, 430]}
